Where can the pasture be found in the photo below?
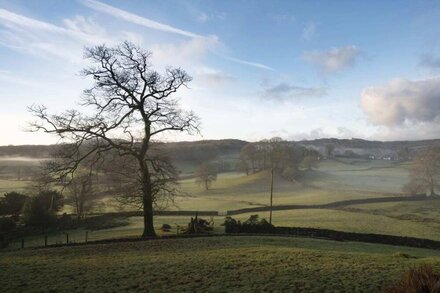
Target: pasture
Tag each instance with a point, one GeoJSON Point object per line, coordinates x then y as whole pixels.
{"type": "Point", "coordinates": [223, 264]}
{"type": "Point", "coordinates": [334, 181]}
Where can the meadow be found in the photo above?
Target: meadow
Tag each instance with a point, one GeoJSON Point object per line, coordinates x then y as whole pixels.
{"type": "Point", "coordinates": [223, 264]}
{"type": "Point", "coordinates": [333, 181]}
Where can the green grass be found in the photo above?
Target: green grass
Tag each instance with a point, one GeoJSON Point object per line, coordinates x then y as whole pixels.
{"type": "Point", "coordinates": [352, 222]}
{"type": "Point", "coordinates": [8, 185]}
{"type": "Point", "coordinates": [134, 228]}
{"type": "Point", "coordinates": [333, 181]}
{"type": "Point", "coordinates": [221, 264]}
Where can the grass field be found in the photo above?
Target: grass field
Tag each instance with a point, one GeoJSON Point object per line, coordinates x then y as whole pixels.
{"type": "Point", "coordinates": [333, 181]}
{"type": "Point", "coordinates": [221, 264]}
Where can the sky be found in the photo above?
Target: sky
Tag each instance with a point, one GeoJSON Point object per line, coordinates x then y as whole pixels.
{"type": "Point", "coordinates": [261, 69]}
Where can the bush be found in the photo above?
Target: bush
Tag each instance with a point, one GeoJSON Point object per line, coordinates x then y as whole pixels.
{"type": "Point", "coordinates": [166, 228]}
{"type": "Point", "coordinates": [6, 225]}
{"type": "Point", "coordinates": [251, 225]}
{"type": "Point", "coordinates": [3, 242]}
{"type": "Point", "coordinates": [36, 214]}
{"type": "Point", "coordinates": [419, 279]}
{"type": "Point", "coordinates": [51, 199]}
{"type": "Point", "coordinates": [12, 203]}
{"type": "Point", "coordinates": [198, 225]}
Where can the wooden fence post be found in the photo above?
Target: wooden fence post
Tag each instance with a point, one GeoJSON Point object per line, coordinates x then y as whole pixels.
{"type": "Point", "coordinates": [67, 238]}
{"type": "Point", "coordinates": [45, 240]}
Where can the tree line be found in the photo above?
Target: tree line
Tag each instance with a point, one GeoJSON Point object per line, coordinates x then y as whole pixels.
{"type": "Point", "coordinates": [284, 157]}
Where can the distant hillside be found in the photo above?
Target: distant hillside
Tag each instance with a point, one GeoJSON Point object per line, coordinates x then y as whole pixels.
{"type": "Point", "coordinates": [372, 149]}
{"type": "Point", "coordinates": [30, 151]}
{"type": "Point", "coordinates": [203, 150]}
{"type": "Point", "coordinates": [370, 144]}
{"type": "Point", "coordinates": [196, 152]}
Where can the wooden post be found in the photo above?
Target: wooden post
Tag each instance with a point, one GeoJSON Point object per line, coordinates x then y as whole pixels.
{"type": "Point", "coordinates": [67, 238]}
{"type": "Point", "coordinates": [45, 240]}
{"type": "Point", "coordinates": [271, 196]}
{"type": "Point", "coordinates": [177, 230]}
{"type": "Point", "coordinates": [87, 236]}
{"type": "Point", "coordinates": [22, 243]}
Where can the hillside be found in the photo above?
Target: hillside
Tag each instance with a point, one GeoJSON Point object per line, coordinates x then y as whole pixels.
{"type": "Point", "coordinates": [202, 150]}
{"type": "Point", "coordinates": [221, 264]}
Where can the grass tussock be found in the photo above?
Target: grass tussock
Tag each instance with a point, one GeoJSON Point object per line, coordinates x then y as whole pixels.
{"type": "Point", "coordinates": [419, 279]}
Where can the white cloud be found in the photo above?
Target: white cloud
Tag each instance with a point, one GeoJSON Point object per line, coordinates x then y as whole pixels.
{"type": "Point", "coordinates": [133, 18]}
{"type": "Point", "coordinates": [202, 17]}
{"type": "Point", "coordinates": [285, 91]}
{"type": "Point", "coordinates": [280, 18]}
{"type": "Point", "coordinates": [188, 53]}
{"type": "Point", "coordinates": [333, 60]}
{"type": "Point", "coordinates": [211, 77]}
{"type": "Point", "coordinates": [430, 61]}
{"type": "Point", "coordinates": [403, 101]}
{"type": "Point", "coordinates": [205, 17]}
{"type": "Point", "coordinates": [309, 31]}
{"type": "Point", "coordinates": [249, 63]}
{"type": "Point", "coordinates": [84, 25]}
{"type": "Point", "coordinates": [325, 132]}
{"type": "Point", "coordinates": [45, 39]}
{"type": "Point", "coordinates": [136, 19]}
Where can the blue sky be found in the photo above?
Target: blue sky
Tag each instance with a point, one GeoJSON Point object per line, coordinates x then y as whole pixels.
{"type": "Point", "coordinates": [295, 69]}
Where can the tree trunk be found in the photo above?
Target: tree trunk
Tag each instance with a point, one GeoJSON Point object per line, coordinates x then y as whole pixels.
{"type": "Point", "coordinates": [148, 215]}
{"type": "Point", "coordinates": [147, 201]}
{"type": "Point", "coordinates": [271, 196]}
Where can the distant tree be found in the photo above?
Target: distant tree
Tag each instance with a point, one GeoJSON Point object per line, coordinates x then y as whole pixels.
{"type": "Point", "coordinates": [243, 165]}
{"type": "Point", "coordinates": [290, 174]}
{"type": "Point", "coordinates": [329, 149]}
{"type": "Point", "coordinates": [248, 157]}
{"type": "Point", "coordinates": [131, 105]}
{"type": "Point", "coordinates": [404, 154]}
{"type": "Point", "coordinates": [205, 174]}
{"type": "Point", "coordinates": [36, 214]}
{"type": "Point", "coordinates": [51, 200]}
{"type": "Point", "coordinates": [310, 162]}
{"type": "Point", "coordinates": [41, 180]}
{"type": "Point", "coordinates": [80, 194]}
{"type": "Point", "coordinates": [425, 171]}
{"type": "Point", "coordinates": [12, 203]}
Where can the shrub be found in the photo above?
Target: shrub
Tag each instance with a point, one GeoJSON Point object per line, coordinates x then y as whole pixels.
{"type": "Point", "coordinates": [36, 214]}
{"type": "Point", "coordinates": [3, 242]}
{"type": "Point", "coordinates": [12, 203]}
{"type": "Point", "coordinates": [166, 228]}
{"type": "Point", "coordinates": [6, 225]}
{"type": "Point", "coordinates": [198, 225]}
{"type": "Point", "coordinates": [51, 199]}
{"type": "Point", "coordinates": [251, 225]}
{"type": "Point", "coordinates": [418, 279]}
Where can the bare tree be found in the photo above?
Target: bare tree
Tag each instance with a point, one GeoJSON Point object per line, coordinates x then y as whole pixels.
{"type": "Point", "coordinates": [310, 162]}
{"type": "Point", "coordinates": [205, 174]}
{"type": "Point", "coordinates": [329, 149]}
{"type": "Point", "coordinates": [130, 104]}
{"type": "Point", "coordinates": [80, 194]}
{"type": "Point", "coordinates": [425, 172]}
{"type": "Point", "coordinates": [123, 180]}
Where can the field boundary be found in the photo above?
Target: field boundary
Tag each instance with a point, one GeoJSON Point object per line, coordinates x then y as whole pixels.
{"type": "Point", "coordinates": [332, 205]}
{"type": "Point", "coordinates": [314, 233]}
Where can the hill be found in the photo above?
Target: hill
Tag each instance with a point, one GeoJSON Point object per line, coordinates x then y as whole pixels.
{"type": "Point", "coordinates": [205, 150]}
{"type": "Point", "coordinates": [221, 264]}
